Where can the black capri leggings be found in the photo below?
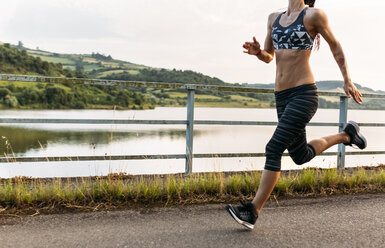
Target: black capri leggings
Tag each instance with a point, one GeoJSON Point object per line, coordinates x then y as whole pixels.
{"type": "Point", "coordinates": [295, 107]}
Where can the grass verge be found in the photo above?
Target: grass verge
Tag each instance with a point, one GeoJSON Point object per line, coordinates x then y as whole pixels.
{"type": "Point", "coordinates": [28, 196]}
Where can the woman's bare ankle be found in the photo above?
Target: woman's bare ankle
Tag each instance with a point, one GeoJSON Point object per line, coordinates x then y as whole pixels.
{"type": "Point", "coordinates": [346, 137]}
{"type": "Point", "coordinates": [256, 211]}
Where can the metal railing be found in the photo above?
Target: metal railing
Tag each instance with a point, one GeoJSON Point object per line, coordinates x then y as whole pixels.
{"type": "Point", "coordinates": [189, 122]}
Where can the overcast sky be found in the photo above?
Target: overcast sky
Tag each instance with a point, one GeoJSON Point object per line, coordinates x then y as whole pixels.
{"type": "Point", "coordinates": [201, 35]}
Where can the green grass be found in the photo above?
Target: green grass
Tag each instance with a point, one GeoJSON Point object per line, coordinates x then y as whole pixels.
{"type": "Point", "coordinates": [56, 59]}
{"type": "Point", "coordinates": [90, 67]}
{"type": "Point", "coordinates": [70, 67]}
{"type": "Point", "coordinates": [90, 60]}
{"type": "Point", "coordinates": [106, 73]}
{"type": "Point", "coordinates": [29, 84]}
{"type": "Point", "coordinates": [176, 94]}
{"type": "Point", "coordinates": [24, 194]}
{"type": "Point", "coordinates": [242, 98]}
{"type": "Point", "coordinates": [134, 67]}
{"type": "Point", "coordinates": [133, 72]}
{"type": "Point", "coordinates": [110, 64]}
{"type": "Point", "coordinates": [39, 53]}
{"type": "Point", "coordinates": [234, 98]}
{"type": "Point", "coordinates": [233, 104]}
{"type": "Point", "coordinates": [18, 84]}
{"type": "Point", "coordinates": [206, 97]}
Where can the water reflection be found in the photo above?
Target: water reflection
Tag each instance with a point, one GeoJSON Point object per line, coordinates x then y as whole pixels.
{"type": "Point", "coordinates": [21, 140]}
{"type": "Point", "coordinates": [45, 140]}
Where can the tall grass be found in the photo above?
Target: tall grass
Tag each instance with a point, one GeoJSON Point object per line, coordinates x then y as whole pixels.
{"type": "Point", "coordinates": [121, 190]}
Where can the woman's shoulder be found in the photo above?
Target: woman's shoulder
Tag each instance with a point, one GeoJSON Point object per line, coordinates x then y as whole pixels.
{"type": "Point", "coordinates": [316, 17]}
{"type": "Point", "coordinates": [316, 13]}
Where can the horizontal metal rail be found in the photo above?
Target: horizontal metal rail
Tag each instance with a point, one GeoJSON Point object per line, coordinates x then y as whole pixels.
{"type": "Point", "coordinates": [165, 122]}
{"type": "Point", "coordinates": [256, 123]}
{"type": "Point", "coordinates": [174, 86]}
{"type": "Point", "coordinates": [90, 121]}
{"type": "Point", "coordinates": [160, 156]}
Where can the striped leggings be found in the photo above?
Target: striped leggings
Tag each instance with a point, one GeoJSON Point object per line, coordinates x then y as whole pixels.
{"type": "Point", "coordinates": [295, 107]}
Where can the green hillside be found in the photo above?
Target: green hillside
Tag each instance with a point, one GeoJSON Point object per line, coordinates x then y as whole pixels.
{"type": "Point", "coordinates": [21, 60]}
{"type": "Point", "coordinates": [32, 95]}
{"type": "Point", "coordinates": [95, 65]}
{"type": "Point", "coordinates": [98, 65]}
{"type": "Point", "coordinates": [13, 61]}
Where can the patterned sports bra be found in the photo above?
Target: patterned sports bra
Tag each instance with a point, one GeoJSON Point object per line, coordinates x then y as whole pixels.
{"type": "Point", "coordinates": [294, 36]}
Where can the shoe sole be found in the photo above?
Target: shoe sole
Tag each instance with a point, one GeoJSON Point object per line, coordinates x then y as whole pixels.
{"type": "Point", "coordinates": [243, 223]}
{"type": "Point", "coordinates": [359, 135]}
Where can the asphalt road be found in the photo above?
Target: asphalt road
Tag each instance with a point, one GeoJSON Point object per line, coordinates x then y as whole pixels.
{"type": "Point", "coordinates": [339, 221]}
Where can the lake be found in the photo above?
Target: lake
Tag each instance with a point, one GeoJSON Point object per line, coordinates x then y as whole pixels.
{"type": "Point", "coordinates": [45, 140]}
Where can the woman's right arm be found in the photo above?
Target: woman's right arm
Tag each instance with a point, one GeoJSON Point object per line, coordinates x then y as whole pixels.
{"type": "Point", "coordinates": [254, 48]}
{"type": "Point", "coordinates": [321, 23]}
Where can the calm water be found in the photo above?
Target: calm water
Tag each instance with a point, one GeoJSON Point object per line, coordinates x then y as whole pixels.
{"type": "Point", "coordinates": [89, 139]}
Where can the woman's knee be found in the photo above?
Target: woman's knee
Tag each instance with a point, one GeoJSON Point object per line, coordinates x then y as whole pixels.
{"type": "Point", "coordinates": [269, 149]}
{"type": "Point", "coordinates": [304, 156]}
{"type": "Point", "coordinates": [273, 157]}
{"type": "Point", "coordinates": [300, 160]}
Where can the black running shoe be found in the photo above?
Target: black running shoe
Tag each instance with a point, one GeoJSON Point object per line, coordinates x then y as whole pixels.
{"type": "Point", "coordinates": [356, 138]}
{"type": "Point", "coordinates": [244, 214]}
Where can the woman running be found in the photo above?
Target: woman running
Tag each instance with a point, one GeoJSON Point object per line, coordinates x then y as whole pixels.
{"type": "Point", "coordinates": [291, 37]}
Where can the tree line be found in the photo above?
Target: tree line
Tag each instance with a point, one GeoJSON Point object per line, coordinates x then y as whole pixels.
{"type": "Point", "coordinates": [54, 96]}
{"type": "Point", "coordinates": [169, 76]}
{"type": "Point", "coordinates": [70, 96]}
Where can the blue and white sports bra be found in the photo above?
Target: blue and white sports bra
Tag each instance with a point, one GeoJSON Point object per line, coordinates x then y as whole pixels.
{"type": "Point", "coordinates": [294, 36]}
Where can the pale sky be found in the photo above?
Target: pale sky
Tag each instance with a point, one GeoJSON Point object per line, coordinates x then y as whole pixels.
{"type": "Point", "coordinates": [202, 35]}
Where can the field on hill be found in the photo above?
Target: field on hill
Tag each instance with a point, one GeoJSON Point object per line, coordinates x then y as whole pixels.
{"type": "Point", "coordinates": [95, 64]}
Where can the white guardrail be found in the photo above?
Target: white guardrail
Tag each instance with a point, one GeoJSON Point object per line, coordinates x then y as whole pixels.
{"type": "Point", "coordinates": [189, 122]}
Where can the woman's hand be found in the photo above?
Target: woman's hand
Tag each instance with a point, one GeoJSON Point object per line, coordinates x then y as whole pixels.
{"type": "Point", "coordinates": [352, 91]}
{"type": "Point", "coordinates": [253, 48]}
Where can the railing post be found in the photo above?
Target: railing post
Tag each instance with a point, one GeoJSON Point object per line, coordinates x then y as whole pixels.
{"type": "Point", "coordinates": [189, 128]}
{"type": "Point", "coordinates": [342, 122]}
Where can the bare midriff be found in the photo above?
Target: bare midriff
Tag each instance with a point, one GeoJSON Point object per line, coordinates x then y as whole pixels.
{"type": "Point", "coordinates": [293, 69]}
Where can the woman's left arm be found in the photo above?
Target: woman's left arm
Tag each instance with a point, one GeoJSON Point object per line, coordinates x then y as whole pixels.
{"type": "Point", "coordinates": [321, 25]}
